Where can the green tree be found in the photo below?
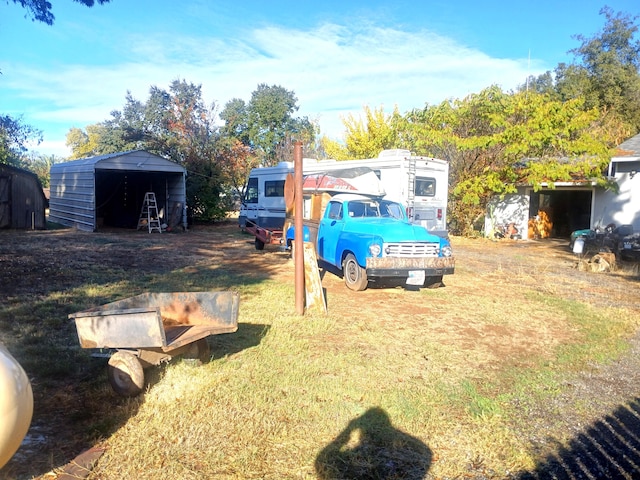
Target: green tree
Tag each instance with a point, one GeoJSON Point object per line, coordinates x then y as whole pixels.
{"type": "Point", "coordinates": [41, 166]}
{"type": "Point", "coordinates": [605, 73]}
{"type": "Point", "coordinates": [89, 142]}
{"type": "Point", "coordinates": [366, 136]}
{"type": "Point", "coordinates": [173, 123]}
{"type": "Point", "coordinates": [14, 137]}
{"type": "Point", "coordinates": [235, 160]}
{"type": "Point", "coordinates": [40, 10]}
{"type": "Point", "coordinates": [268, 123]}
{"type": "Point", "coordinates": [612, 62]}
{"type": "Point", "coordinates": [488, 137]}
{"type": "Point", "coordinates": [236, 125]}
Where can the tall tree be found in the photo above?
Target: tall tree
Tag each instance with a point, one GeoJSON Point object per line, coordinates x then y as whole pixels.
{"type": "Point", "coordinates": [366, 136]}
{"type": "Point", "coordinates": [487, 138]}
{"type": "Point", "coordinates": [89, 142]}
{"type": "Point", "coordinates": [235, 160]}
{"type": "Point", "coordinates": [41, 166]}
{"type": "Point", "coordinates": [14, 138]}
{"type": "Point", "coordinates": [174, 123]}
{"type": "Point", "coordinates": [612, 62]}
{"type": "Point", "coordinates": [266, 124]}
{"type": "Point", "coordinates": [605, 73]}
{"type": "Point", "coordinates": [40, 10]}
{"type": "Point", "coordinates": [235, 117]}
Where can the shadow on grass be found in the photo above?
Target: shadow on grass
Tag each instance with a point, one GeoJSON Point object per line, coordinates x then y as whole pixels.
{"type": "Point", "coordinates": [247, 336]}
{"type": "Point", "coordinates": [608, 448]}
{"type": "Point", "coordinates": [370, 447]}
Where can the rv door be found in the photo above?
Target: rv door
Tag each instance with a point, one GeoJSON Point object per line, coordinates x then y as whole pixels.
{"type": "Point", "coordinates": [429, 205]}
{"type": "Point", "coordinates": [249, 206]}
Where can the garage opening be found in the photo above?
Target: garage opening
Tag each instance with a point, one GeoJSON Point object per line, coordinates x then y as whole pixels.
{"type": "Point", "coordinates": [120, 195]}
{"type": "Point", "coordinates": [568, 210]}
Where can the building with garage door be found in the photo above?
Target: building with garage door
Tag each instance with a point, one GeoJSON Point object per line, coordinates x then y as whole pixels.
{"type": "Point", "coordinates": [22, 200]}
{"type": "Point", "coordinates": [570, 206]}
{"type": "Point", "coordinates": [110, 191]}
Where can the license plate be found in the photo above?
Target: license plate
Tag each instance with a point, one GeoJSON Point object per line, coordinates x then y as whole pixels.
{"type": "Point", "coordinates": [416, 277]}
{"type": "Point", "coordinates": [627, 245]}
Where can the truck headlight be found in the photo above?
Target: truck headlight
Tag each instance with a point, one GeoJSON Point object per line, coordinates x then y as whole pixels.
{"type": "Point", "coordinates": [446, 251]}
{"type": "Point", "coordinates": [375, 249]}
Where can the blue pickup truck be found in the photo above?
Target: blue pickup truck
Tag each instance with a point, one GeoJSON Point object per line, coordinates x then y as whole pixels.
{"type": "Point", "coordinates": [369, 239]}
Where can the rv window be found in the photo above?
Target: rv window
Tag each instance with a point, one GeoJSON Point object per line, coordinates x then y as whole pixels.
{"type": "Point", "coordinates": [425, 187]}
{"type": "Point", "coordinates": [251, 194]}
{"type": "Point", "coordinates": [274, 188]}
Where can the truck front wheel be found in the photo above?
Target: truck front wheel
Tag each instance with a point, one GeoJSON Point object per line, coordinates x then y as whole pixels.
{"type": "Point", "coordinates": [355, 277]}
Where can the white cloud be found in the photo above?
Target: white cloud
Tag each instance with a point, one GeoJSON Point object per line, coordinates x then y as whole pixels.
{"type": "Point", "coordinates": [333, 71]}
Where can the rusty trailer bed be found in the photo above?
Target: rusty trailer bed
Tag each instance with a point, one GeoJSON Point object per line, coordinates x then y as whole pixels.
{"type": "Point", "coordinates": [158, 320]}
{"type": "Point", "coordinates": [153, 327]}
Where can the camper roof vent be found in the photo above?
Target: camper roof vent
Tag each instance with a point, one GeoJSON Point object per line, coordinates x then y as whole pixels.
{"type": "Point", "coordinates": [394, 153]}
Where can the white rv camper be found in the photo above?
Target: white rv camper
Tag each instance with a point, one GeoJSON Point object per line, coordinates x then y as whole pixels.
{"type": "Point", "coordinates": [420, 183]}
{"type": "Point", "coordinates": [263, 202]}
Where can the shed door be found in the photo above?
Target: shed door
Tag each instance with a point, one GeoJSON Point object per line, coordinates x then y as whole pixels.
{"type": "Point", "coordinates": [5, 201]}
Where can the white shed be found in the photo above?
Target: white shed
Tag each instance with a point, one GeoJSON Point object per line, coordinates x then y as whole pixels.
{"type": "Point", "coordinates": [109, 190]}
{"type": "Point", "coordinates": [575, 206]}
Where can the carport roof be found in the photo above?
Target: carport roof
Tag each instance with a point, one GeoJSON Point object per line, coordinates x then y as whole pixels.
{"type": "Point", "coordinates": [130, 160]}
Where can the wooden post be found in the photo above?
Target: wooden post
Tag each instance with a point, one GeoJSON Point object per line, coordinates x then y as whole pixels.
{"type": "Point", "coordinates": [298, 226]}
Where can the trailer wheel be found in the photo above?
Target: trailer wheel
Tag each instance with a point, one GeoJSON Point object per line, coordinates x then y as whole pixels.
{"type": "Point", "coordinates": [259, 244]}
{"type": "Point", "coordinates": [355, 277]}
{"type": "Point", "coordinates": [125, 373]}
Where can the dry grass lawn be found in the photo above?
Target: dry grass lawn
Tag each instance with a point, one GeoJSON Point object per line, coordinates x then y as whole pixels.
{"type": "Point", "coordinates": [487, 377]}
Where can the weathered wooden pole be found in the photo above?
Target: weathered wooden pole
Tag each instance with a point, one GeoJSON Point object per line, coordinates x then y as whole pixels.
{"type": "Point", "coordinates": [298, 238]}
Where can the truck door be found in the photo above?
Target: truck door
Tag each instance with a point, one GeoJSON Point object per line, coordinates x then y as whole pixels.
{"type": "Point", "coordinates": [329, 230]}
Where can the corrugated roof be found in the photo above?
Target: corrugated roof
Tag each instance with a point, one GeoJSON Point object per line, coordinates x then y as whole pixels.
{"type": "Point", "coordinates": [132, 159]}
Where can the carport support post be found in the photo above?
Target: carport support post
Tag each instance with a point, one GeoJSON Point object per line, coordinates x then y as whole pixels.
{"type": "Point", "coordinates": [297, 223]}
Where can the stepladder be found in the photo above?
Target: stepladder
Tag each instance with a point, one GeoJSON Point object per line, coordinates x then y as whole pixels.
{"type": "Point", "coordinates": [149, 217]}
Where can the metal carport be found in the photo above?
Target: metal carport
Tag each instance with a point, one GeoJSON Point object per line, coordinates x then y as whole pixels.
{"type": "Point", "coordinates": [109, 190]}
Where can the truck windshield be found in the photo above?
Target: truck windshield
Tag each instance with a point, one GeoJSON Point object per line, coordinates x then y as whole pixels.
{"type": "Point", "coordinates": [373, 208]}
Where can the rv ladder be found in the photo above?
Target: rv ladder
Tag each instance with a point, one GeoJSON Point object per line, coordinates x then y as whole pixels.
{"type": "Point", "coordinates": [411, 187]}
{"type": "Point", "coordinates": [149, 214]}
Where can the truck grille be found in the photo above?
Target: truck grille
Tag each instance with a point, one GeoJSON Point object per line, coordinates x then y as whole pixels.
{"type": "Point", "coordinates": [410, 250]}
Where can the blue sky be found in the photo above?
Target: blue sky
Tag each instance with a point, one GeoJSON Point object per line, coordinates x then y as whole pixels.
{"type": "Point", "coordinates": [337, 56]}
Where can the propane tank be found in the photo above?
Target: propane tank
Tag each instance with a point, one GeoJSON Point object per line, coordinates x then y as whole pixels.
{"type": "Point", "coordinates": [16, 405]}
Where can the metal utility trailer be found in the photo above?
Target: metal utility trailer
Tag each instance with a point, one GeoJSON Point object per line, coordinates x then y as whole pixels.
{"type": "Point", "coordinates": [264, 236]}
{"type": "Point", "coordinates": [153, 327]}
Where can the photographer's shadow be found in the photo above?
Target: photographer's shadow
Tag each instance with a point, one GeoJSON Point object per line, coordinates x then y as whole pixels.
{"type": "Point", "coordinates": [371, 448]}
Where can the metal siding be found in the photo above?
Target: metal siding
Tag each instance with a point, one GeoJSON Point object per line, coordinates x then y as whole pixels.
{"type": "Point", "coordinates": [72, 195]}
{"type": "Point", "coordinates": [178, 199]}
